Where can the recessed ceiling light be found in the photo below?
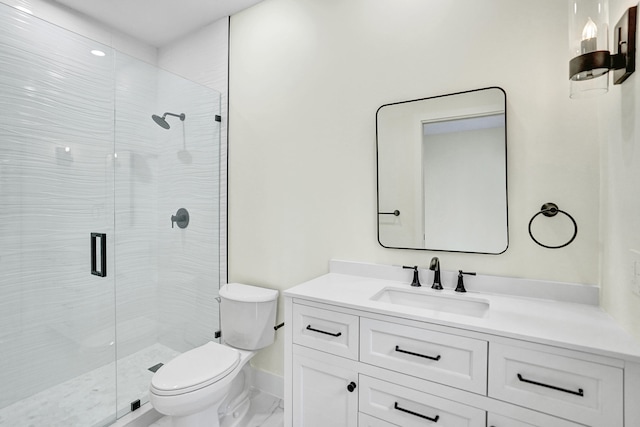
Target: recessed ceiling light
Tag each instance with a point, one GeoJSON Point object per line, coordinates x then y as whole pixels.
{"type": "Point", "coordinates": [98, 52]}
{"type": "Point", "coordinates": [24, 9]}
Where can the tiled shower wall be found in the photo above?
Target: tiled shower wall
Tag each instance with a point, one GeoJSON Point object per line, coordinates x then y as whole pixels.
{"type": "Point", "coordinates": [80, 154]}
{"type": "Point", "coordinates": [203, 57]}
{"type": "Point", "coordinates": [189, 159]}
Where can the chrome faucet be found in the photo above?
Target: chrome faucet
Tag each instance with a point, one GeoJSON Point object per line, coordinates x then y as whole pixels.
{"type": "Point", "coordinates": [435, 267]}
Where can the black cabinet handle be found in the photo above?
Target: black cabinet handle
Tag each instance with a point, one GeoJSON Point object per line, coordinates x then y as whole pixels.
{"type": "Point", "coordinates": [580, 392]}
{"type": "Point", "coordinates": [309, 328]}
{"type": "Point", "coordinates": [351, 387]}
{"type": "Point", "coordinates": [433, 420]}
{"type": "Point", "coordinates": [103, 254]}
{"type": "Point", "coordinates": [398, 349]}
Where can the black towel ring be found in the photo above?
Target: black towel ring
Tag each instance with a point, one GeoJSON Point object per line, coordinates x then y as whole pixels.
{"type": "Point", "coordinates": [549, 210]}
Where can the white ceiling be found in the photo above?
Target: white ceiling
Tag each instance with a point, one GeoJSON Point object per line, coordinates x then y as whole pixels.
{"type": "Point", "coordinates": [157, 22]}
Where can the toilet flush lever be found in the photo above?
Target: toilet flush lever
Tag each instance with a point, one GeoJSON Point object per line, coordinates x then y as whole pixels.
{"type": "Point", "coordinates": [181, 218]}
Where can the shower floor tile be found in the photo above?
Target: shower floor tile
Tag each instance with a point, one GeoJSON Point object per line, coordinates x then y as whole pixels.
{"type": "Point", "coordinates": [89, 400]}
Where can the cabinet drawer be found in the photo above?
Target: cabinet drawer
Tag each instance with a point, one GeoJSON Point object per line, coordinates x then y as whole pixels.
{"type": "Point", "coordinates": [448, 359]}
{"type": "Point", "coordinates": [495, 420]}
{"type": "Point", "coordinates": [586, 392]}
{"type": "Point", "coordinates": [411, 408]}
{"type": "Point", "coordinates": [326, 330]}
{"type": "Point", "coordinates": [365, 420]}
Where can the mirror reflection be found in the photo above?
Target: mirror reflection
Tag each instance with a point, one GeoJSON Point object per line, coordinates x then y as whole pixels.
{"type": "Point", "coordinates": [442, 178]}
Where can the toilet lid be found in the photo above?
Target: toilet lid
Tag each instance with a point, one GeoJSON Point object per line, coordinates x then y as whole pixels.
{"type": "Point", "coordinates": [247, 293]}
{"type": "Point", "coordinates": [195, 369]}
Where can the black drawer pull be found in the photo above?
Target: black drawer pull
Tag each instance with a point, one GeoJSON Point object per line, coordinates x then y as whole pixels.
{"type": "Point", "coordinates": [309, 328]}
{"type": "Point", "coordinates": [351, 387]}
{"type": "Point", "coordinates": [398, 349]}
{"type": "Point", "coordinates": [580, 392]}
{"type": "Point", "coordinates": [433, 420]}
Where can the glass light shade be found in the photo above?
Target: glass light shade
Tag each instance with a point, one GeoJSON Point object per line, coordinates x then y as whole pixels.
{"type": "Point", "coordinates": [588, 32]}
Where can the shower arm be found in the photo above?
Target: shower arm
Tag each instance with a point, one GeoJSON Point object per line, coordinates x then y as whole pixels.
{"type": "Point", "coordinates": [180, 116]}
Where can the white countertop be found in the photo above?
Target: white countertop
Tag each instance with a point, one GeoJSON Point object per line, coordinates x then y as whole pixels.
{"type": "Point", "coordinates": [572, 325]}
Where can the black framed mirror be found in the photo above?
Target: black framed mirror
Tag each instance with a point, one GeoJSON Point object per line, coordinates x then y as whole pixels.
{"type": "Point", "coordinates": [442, 172]}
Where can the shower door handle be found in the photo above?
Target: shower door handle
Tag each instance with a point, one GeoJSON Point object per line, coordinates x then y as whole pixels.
{"type": "Point", "coordinates": [103, 254]}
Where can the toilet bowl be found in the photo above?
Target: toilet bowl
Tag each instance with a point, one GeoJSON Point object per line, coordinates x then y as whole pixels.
{"type": "Point", "coordinates": [190, 388]}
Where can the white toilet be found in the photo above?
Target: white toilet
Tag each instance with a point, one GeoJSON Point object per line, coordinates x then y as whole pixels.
{"type": "Point", "coordinates": [191, 388]}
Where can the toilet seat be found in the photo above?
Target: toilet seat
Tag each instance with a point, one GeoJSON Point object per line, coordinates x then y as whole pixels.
{"type": "Point", "coordinates": [195, 369]}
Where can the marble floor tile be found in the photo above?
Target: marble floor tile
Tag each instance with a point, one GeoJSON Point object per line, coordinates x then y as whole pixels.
{"type": "Point", "coordinates": [90, 399]}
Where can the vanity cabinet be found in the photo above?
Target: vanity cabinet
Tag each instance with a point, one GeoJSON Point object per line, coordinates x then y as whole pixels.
{"type": "Point", "coordinates": [359, 368]}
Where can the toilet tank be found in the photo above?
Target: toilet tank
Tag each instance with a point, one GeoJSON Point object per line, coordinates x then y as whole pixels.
{"type": "Point", "coordinates": [247, 315]}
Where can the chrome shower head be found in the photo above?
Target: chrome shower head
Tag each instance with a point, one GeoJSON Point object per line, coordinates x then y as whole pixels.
{"type": "Point", "coordinates": [162, 122]}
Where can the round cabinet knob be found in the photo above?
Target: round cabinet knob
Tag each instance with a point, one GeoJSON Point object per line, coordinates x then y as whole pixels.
{"type": "Point", "coordinates": [351, 386]}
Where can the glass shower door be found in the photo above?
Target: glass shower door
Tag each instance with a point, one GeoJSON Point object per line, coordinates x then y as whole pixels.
{"type": "Point", "coordinates": [57, 333]}
{"type": "Point", "coordinates": [86, 172]}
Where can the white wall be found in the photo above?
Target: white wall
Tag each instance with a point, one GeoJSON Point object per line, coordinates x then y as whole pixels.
{"type": "Point", "coordinates": [619, 110]}
{"type": "Point", "coordinates": [306, 77]}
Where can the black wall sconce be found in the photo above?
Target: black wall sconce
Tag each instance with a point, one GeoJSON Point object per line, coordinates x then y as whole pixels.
{"type": "Point", "coordinates": [589, 45]}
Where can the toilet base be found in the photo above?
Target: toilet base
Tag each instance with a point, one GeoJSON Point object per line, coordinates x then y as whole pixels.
{"type": "Point", "coordinates": [226, 415]}
{"type": "Point", "coordinates": [236, 413]}
{"type": "Point", "coordinates": [206, 418]}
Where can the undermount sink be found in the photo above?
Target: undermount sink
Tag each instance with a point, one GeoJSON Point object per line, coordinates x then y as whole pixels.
{"type": "Point", "coordinates": [457, 304]}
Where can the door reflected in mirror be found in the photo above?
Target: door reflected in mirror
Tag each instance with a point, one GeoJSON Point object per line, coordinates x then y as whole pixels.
{"type": "Point", "coordinates": [442, 167]}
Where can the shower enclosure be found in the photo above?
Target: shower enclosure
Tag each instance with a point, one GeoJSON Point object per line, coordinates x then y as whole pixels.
{"type": "Point", "coordinates": [96, 286]}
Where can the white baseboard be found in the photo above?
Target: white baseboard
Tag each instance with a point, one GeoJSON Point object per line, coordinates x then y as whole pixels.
{"type": "Point", "coordinates": [268, 382]}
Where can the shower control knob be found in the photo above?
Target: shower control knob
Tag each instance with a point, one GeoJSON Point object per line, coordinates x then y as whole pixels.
{"type": "Point", "coordinates": [181, 218]}
{"type": "Point", "coordinates": [351, 386]}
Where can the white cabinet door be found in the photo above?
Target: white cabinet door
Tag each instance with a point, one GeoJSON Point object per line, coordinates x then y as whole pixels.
{"type": "Point", "coordinates": [325, 392]}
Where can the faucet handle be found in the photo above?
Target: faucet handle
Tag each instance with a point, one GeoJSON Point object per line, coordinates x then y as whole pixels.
{"type": "Point", "coordinates": [460, 286]}
{"type": "Point", "coordinates": [416, 278]}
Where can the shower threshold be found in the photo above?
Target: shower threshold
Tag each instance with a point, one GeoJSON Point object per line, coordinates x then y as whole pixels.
{"type": "Point", "coordinates": [68, 404]}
